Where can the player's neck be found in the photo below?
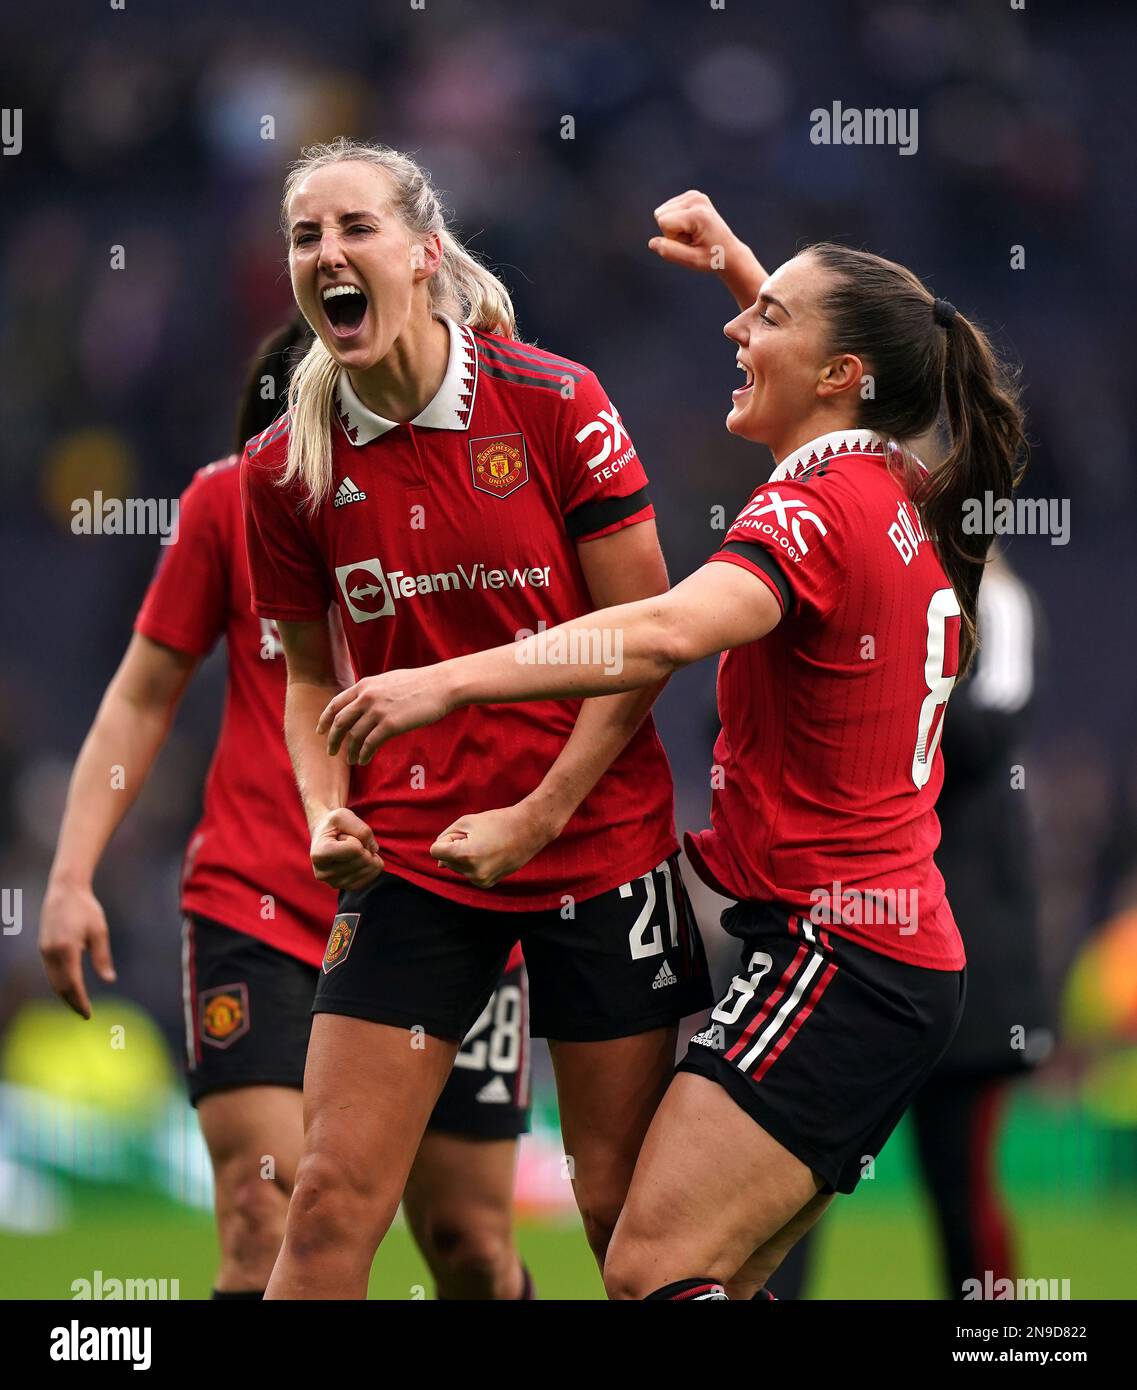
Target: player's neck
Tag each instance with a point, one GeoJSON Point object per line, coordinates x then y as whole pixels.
{"type": "Point", "coordinates": [404, 382]}
{"type": "Point", "coordinates": [813, 427]}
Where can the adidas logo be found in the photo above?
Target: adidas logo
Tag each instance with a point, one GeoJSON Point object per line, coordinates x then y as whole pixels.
{"type": "Point", "coordinates": [495, 1091]}
{"type": "Point", "coordinates": [348, 492]}
{"type": "Point", "coordinates": [713, 1037]}
{"type": "Point", "coordinates": [665, 977]}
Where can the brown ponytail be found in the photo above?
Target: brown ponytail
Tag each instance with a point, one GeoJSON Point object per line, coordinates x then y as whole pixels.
{"type": "Point", "coordinates": [928, 361]}
{"type": "Point", "coordinates": [987, 454]}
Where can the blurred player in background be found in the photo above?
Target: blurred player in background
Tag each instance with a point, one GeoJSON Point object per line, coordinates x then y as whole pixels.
{"type": "Point", "coordinates": [844, 598]}
{"type": "Point", "coordinates": [448, 487]}
{"type": "Point", "coordinates": [988, 861]}
{"type": "Point", "coordinates": [256, 920]}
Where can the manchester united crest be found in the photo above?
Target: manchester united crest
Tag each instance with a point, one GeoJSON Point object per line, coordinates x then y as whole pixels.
{"type": "Point", "coordinates": [499, 464]}
{"type": "Point", "coordinates": [224, 1014]}
{"type": "Point", "coordinates": [339, 943]}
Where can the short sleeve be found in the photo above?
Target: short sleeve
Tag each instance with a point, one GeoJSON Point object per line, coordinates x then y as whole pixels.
{"type": "Point", "coordinates": [602, 481]}
{"type": "Point", "coordinates": [287, 575]}
{"type": "Point", "coordinates": [187, 604]}
{"type": "Point", "coordinates": [798, 538]}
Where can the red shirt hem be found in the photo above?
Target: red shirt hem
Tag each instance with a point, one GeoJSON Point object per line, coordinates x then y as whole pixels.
{"type": "Point", "coordinates": [493, 901]}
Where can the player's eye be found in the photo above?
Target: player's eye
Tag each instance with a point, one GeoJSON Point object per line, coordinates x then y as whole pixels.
{"type": "Point", "coordinates": [303, 238]}
{"type": "Point", "coordinates": [765, 317]}
{"type": "Point", "coordinates": [361, 227]}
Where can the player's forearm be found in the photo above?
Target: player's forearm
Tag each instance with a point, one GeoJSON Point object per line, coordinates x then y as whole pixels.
{"type": "Point", "coordinates": [627, 647]}
{"type": "Point", "coordinates": [602, 731]}
{"type": "Point", "coordinates": [323, 781]}
{"type": "Point", "coordinates": [112, 767]}
{"type": "Point", "coordinates": [742, 273]}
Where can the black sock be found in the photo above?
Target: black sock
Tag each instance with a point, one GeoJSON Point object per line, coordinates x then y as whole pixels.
{"type": "Point", "coordinates": [690, 1289]}
{"type": "Point", "coordinates": [763, 1294]}
{"type": "Point", "coordinates": [240, 1293]}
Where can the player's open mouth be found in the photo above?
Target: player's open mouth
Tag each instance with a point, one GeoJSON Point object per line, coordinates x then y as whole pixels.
{"type": "Point", "coordinates": [742, 390]}
{"type": "Point", "coordinates": [345, 307]}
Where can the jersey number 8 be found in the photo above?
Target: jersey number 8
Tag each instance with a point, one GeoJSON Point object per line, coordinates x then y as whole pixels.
{"type": "Point", "coordinates": [941, 666]}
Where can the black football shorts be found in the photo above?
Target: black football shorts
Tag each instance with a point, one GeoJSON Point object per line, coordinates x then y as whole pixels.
{"type": "Point", "coordinates": [248, 1014]}
{"type": "Point", "coordinates": [822, 1042]}
{"type": "Point", "coordinates": [621, 963]}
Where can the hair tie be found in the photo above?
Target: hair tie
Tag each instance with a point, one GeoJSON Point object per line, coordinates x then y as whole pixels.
{"type": "Point", "coordinates": [943, 311]}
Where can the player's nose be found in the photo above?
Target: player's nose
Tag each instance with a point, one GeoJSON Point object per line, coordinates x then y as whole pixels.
{"type": "Point", "coordinates": [331, 250]}
{"type": "Point", "coordinates": [736, 330]}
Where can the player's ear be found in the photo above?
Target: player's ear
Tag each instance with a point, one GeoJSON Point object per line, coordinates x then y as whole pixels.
{"type": "Point", "coordinates": [426, 257]}
{"type": "Point", "coordinates": [845, 372]}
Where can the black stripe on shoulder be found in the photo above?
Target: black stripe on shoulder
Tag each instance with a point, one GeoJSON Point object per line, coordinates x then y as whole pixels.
{"type": "Point", "coordinates": [492, 369]}
{"type": "Point", "coordinates": [540, 367]}
{"type": "Point", "coordinates": [269, 436]}
{"type": "Point", "coordinates": [511, 349]}
{"type": "Point", "coordinates": [604, 511]}
{"type": "Point", "coordinates": [761, 558]}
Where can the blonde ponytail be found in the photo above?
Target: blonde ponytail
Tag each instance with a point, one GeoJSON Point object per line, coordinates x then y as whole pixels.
{"type": "Point", "coordinates": [311, 407]}
{"type": "Point", "coordinates": [462, 287]}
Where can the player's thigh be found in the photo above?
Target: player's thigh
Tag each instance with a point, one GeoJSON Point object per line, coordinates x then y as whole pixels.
{"type": "Point", "coordinates": [369, 1089]}
{"type": "Point", "coordinates": [726, 1185]}
{"type": "Point", "coordinates": [405, 975]}
{"type": "Point", "coordinates": [608, 1093]}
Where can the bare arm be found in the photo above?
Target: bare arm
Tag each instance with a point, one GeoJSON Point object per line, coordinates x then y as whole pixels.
{"type": "Point", "coordinates": [718, 607]}
{"type": "Point", "coordinates": [343, 849]}
{"type": "Point", "coordinates": [130, 727]}
{"type": "Point", "coordinates": [696, 235]}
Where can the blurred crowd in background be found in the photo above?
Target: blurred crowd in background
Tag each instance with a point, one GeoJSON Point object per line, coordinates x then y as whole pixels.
{"type": "Point", "coordinates": [144, 129]}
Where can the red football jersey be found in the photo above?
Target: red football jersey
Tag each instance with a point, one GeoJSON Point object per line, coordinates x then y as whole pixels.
{"type": "Point", "coordinates": [828, 766]}
{"type": "Point", "coordinates": [247, 864]}
{"type": "Point", "coordinates": [453, 533]}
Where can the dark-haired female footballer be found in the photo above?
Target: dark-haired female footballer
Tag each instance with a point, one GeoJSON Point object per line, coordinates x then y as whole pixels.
{"type": "Point", "coordinates": [256, 920]}
{"type": "Point", "coordinates": [844, 599]}
{"type": "Point", "coordinates": [449, 486]}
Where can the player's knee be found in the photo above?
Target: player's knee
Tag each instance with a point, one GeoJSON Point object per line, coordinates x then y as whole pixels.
{"type": "Point", "coordinates": [627, 1270]}
{"type": "Point", "coordinates": [251, 1218]}
{"type": "Point", "coordinates": [470, 1256]}
{"type": "Point", "coordinates": [330, 1208]}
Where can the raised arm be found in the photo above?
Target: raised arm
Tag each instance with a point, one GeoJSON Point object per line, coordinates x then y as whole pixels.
{"type": "Point", "coordinates": [696, 235]}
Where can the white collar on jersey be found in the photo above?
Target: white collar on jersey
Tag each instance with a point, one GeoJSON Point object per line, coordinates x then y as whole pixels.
{"type": "Point", "coordinates": [450, 409]}
{"type": "Point", "coordinates": [826, 446]}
